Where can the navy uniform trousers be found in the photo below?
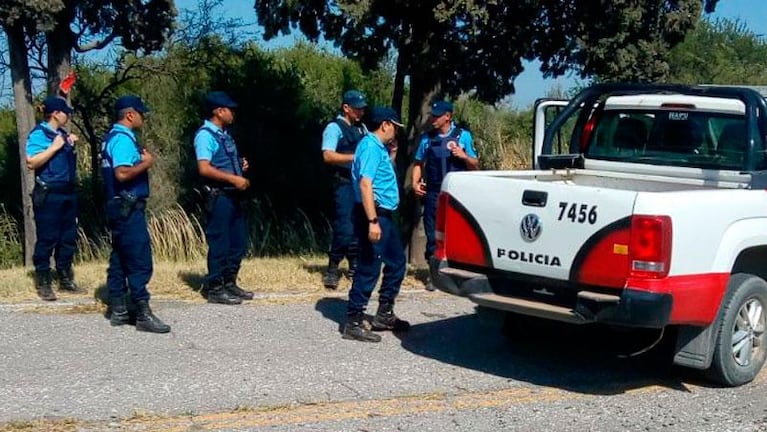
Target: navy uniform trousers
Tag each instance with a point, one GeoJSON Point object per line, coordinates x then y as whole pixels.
{"type": "Point", "coordinates": [227, 236]}
{"type": "Point", "coordinates": [430, 221]}
{"type": "Point", "coordinates": [344, 243]}
{"type": "Point", "coordinates": [56, 227]}
{"type": "Point", "coordinates": [387, 251]}
{"type": "Point", "coordinates": [130, 263]}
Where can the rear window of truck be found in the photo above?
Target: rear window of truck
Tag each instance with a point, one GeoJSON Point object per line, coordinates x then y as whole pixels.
{"type": "Point", "coordinates": [680, 137]}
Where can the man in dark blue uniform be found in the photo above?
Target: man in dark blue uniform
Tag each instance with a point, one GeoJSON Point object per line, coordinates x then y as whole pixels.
{"type": "Point", "coordinates": [444, 149]}
{"type": "Point", "coordinates": [377, 196]}
{"type": "Point", "coordinates": [339, 140]}
{"type": "Point", "coordinates": [125, 167]}
{"type": "Point", "coordinates": [51, 154]}
{"type": "Point", "coordinates": [222, 169]}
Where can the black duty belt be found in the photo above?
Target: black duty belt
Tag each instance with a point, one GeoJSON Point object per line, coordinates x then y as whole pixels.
{"type": "Point", "coordinates": [60, 187]}
{"type": "Point", "coordinates": [380, 211]}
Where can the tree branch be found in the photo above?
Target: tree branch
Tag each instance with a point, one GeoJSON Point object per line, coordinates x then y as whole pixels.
{"type": "Point", "coordinates": [96, 45]}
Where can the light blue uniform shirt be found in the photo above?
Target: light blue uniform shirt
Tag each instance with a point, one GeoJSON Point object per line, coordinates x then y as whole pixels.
{"type": "Point", "coordinates": [371, 160]}
{"type": "Point", "coordinates": [465, 141]}
{"type": "Point", "coordinates": [122, 149]}
{"type": "Point", "coordinates": [37, 142]}
{"type": "Point", "coordinates": [205, 144]}
{"type": "Point", "coordinates": [332, 135]}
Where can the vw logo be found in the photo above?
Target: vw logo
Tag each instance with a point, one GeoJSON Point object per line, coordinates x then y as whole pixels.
{"type": "Point", "coordinates": [530, 227]}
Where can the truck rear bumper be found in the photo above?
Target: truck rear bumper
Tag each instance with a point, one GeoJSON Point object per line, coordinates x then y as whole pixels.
{"type": "Point", "coordinates": [630, 308]}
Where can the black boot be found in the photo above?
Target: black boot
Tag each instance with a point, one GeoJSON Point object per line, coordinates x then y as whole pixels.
{"type": "Point", "coordinates": [330, 278]}
{"type": "Point", "coordinates": [217, 293]}
{"type": "Point", "coordinates": [67, 281]}
{"type": "Point", "coordinates": [120, 315]}
{"type": "Point", "coordinates": [386, 320]}
{"type": "Point", "coordinates": [357, 328]}
{"type": "Point", "coordinates": [230, 286]}
{"type": "Point", "coordinates": [43, 281]}
{"type": "Point", "coordinates": [147, 321]}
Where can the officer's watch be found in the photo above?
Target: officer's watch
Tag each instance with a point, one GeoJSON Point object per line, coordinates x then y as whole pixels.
{"type": "Point", "coordinates": [373, 221]}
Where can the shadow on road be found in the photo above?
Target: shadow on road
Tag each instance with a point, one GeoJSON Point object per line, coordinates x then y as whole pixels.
{"type": "Point", "coordinates": [580, 359]}
{"type": "Point", "coordinates": [193, 280]}
{"type": "Point", "coordinates": [332, 308]}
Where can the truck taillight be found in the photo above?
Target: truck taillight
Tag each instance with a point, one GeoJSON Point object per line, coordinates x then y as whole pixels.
{"type": "Point", "coordinates": [458, 237]}
{"type": "Point", "coordinates": [650, 246]}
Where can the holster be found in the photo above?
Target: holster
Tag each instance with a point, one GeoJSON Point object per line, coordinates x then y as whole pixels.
{"type": "Point", "coordinates": [210, 195]}
{"type": "Point", "coordinates": [128, 202]}
{"type": "Point", "coordinates": [40, 192]}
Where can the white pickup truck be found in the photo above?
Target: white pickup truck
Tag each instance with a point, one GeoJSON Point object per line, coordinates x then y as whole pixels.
{"type": "Point", "coordinates": [654, 217]}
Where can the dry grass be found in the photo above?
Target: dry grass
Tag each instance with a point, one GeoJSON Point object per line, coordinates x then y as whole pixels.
{"type": "Point", "coordinates": [173, 280]}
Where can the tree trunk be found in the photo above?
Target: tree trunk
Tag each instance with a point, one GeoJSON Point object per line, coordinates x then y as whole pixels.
{"type": "Point", "coordinates": [25, 121]}
{"type": "Point", "coordinates": [59, 42]}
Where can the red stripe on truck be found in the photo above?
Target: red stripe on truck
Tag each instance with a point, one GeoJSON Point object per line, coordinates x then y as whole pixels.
{"type": "Point", "coordinates": [696, 298]}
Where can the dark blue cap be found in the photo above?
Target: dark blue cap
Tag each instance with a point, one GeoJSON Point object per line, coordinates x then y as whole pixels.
{"type": "Point", "coordinates": [379, 115]}
{"type": "Point", "coordinates": [130, 101]}
{"type": "Point", "coordinates": [218, 99]}
{"type": "Point", "coordinates": [55, 103]}
{"type": "Point", "coordinates": [440, 107]}
{"type": "Point", "coordinates": [355, 99]}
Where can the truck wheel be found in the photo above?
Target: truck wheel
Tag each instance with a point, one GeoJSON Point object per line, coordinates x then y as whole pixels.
{"type": "Point", "coordinates": [740, 344]}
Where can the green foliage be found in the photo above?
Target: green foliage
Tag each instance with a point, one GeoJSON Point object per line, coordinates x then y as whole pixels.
{"type": "Point", "coordinates": [453, 46]}
{"type": "Point", "coordinates": [720, 52]}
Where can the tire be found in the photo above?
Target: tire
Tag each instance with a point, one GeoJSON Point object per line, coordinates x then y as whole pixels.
{"type": "Point", "coordinates": [740, 343]}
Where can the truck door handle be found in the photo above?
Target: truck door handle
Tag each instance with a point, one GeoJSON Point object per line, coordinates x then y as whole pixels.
{"type": "Point", "coordinates": [534, 198]}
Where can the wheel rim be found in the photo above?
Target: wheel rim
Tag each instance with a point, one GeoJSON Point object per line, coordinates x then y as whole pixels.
{"type": "Point", "coordinates": [748, 332]}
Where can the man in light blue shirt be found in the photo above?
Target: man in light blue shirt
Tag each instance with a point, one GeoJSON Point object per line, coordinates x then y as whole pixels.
{"type": "Point", "coordinates": [125, 168]}
{"type": "Point", "coordinates": [222, 171]}
{"type": "Point", "coordinates": [339, 140]}
{"type": "Point", "coordinates": [377, 196]}
{"type": "Point", "coordinates": [444, 149]}
{"type": "Point", "coordinates": [51, 154]}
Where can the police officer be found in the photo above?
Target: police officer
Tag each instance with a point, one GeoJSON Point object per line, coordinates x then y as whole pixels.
{"type": "Point", "coordinates": [377, 197]}
{"type": "Point", "coordinates": [51, 154]}
{"type": "Point", "coordinates": [222, 169]}
{"type": "Point", "coordinates": [125, 168]}
{"type": "Point", "coordinates": [445, 148]}
{"type": "Point", "coordinates": [339, 140]}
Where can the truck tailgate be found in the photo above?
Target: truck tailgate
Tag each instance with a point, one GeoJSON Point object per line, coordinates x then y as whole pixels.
{"type": "Point", "coordinates": [538, 228]}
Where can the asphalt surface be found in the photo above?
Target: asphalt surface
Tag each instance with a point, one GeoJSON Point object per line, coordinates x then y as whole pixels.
{"type": "Point", "coordinates": [284, 367]}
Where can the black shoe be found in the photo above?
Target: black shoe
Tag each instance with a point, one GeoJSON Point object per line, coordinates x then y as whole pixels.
{"type": "Point", "coordinates": [119, 315]}
{"type": "Point", "coordinates": [234, 290]}
{"type": "Point", "coordinates": [430, 286]}
{"type": "Point", "coordinates": [357, 328]}
{"type": "Point", "coordinates": [217, 294]}
{"type": "Point", "coordinates": [43, 285]}
{"type": "Point", "coordinates": [147, 321]}
{"type": "Point", "coordinates": [67, 282]}
{"type": "Point", "coordinates": [330, 279]}
{"type": "Point", "coordinates": [386, 320]}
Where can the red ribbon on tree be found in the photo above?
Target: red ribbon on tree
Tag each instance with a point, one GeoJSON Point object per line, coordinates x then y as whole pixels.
{"type": "Point", "coordinates": [66, 84]}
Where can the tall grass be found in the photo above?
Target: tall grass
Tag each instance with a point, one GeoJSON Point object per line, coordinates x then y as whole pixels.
{"type": "Point", "coordinates": [179, 235]}
{"type": "Point", "coordinates": [11, 239]}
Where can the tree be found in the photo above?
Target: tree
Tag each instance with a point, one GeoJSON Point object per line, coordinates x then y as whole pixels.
{"type": "Point", "coordinates": [446, 47]}
{"type": "Point", "coordinates": [720, 52]}
{"type": "Point", "coordinates": [67, 26]}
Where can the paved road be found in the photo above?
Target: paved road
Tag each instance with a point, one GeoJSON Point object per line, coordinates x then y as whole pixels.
{"type": "Point", "coordinates": [284, 367]}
